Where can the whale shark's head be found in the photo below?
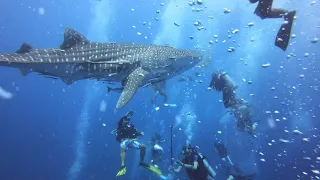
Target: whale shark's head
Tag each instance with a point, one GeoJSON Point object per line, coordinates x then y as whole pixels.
{"type": "Point", "coordinates": [171, 61]}
{"type": "Point", "coordinates": [183, 60]}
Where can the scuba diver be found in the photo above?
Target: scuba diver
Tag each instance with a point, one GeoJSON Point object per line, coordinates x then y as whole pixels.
{"type": "Point", "coordinates": [126, 136]}
{"type": "Point", "coordinates": [156, 150]}
{"type": "Point", "coordinates": [264, 10]}
{"type": "Point", "coordinates": [233, 172]}
{"type": "Point", "coordinates": [195, 164]}
{"type": "Point", "coordinates": [222, 82]}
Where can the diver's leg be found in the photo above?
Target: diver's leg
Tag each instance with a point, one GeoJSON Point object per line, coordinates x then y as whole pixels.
{"type": "Point", "coordinates": [240, 125]}
{"type": "Point", "coordinates": [265, 10]}
{"type": "Point", "coordinates": [153, 101]}
{"type": "Point", "coordinates": [284, 33]}
{"type": "Point", "coordinates": [142, 152]}
{"type": "Point", "coordinates": [277, 13]}
{"type": "Point", "coordinates": [122, 170]}
{"type": "Point", "coordinates": [122, 155]}
{"type": "Point", "coordinates": [165, 97]}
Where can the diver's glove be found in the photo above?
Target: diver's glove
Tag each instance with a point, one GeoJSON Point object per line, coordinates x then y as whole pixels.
{"type": "Point", "coordinates": [122, 171]}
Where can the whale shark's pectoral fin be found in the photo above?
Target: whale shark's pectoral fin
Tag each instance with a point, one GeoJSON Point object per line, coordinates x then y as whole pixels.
{"type": "Point", "coordinates": [134, 80]}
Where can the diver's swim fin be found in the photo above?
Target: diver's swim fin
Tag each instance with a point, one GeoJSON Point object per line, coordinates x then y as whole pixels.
{"type": "Point", "coordinates": [122, 171]}
{"type": "Point", "coordinates": [151, 168]}
{"type": "Point", "coordinates": [284, 33]}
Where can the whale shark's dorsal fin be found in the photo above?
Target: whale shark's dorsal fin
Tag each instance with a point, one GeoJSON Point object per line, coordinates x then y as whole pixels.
{"type": "Point", "coordinates": [72, 38]}
{"type": "Point", "coordinates": [24, 48]}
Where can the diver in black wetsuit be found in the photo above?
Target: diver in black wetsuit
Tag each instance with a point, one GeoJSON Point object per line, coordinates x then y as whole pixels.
{"type": "Point", "coordinates": [265, 10]}
{"type": "Point", "coordinates": [195, 164]}
{"type": "Point", "coordinates": [233, 172]}
{"type": "Point", "coordinates": [126, 136]}
{"type": "Point", "coordinates": [221, 81]}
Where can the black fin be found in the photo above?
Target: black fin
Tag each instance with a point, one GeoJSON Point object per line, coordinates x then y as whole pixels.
{"type": "Point", "coordinates": [67, 81]}
{"type": "Point", "coordinates": [24, 48]}
{"type": "Point", "coordinates": [24, 72]}
{"type": "Point", "coordinates": [283, 36]}
{"type": "Point", "coordinates": [284, 33]}
{"type": "Point", "coordinates": [71, 38]}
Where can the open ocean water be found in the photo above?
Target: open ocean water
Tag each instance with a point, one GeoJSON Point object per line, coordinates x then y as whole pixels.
{"type": "Point", "coordinates": [53, 131]}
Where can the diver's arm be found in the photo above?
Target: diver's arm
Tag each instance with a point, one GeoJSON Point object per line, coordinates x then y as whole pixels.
{"type": "Point", "coordinates": [211, 85]}
{"type": "Point", "coordinates": [138, 133]}
{"type": "Point", "coordinates": [177, 169]}
{"type": "Point", "coordinates": [195, 162]}
{"type": "Point", "coordinates": [163, 141]}
{"type": "Point", "coordinates": [190, 166]}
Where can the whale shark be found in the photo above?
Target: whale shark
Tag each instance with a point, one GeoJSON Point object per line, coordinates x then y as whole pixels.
{"type": "Point", "coordinates": [77, 58]}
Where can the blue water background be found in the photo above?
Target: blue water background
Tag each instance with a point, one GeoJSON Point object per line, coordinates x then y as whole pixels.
{"type": "Point", "coordinates": [52, 131]}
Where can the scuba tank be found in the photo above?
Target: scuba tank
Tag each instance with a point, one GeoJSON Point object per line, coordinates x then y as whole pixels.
{"type": "Point", "coordinates": [223, 151]}
{"type": "Point", "coordinates": [229, 83]}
